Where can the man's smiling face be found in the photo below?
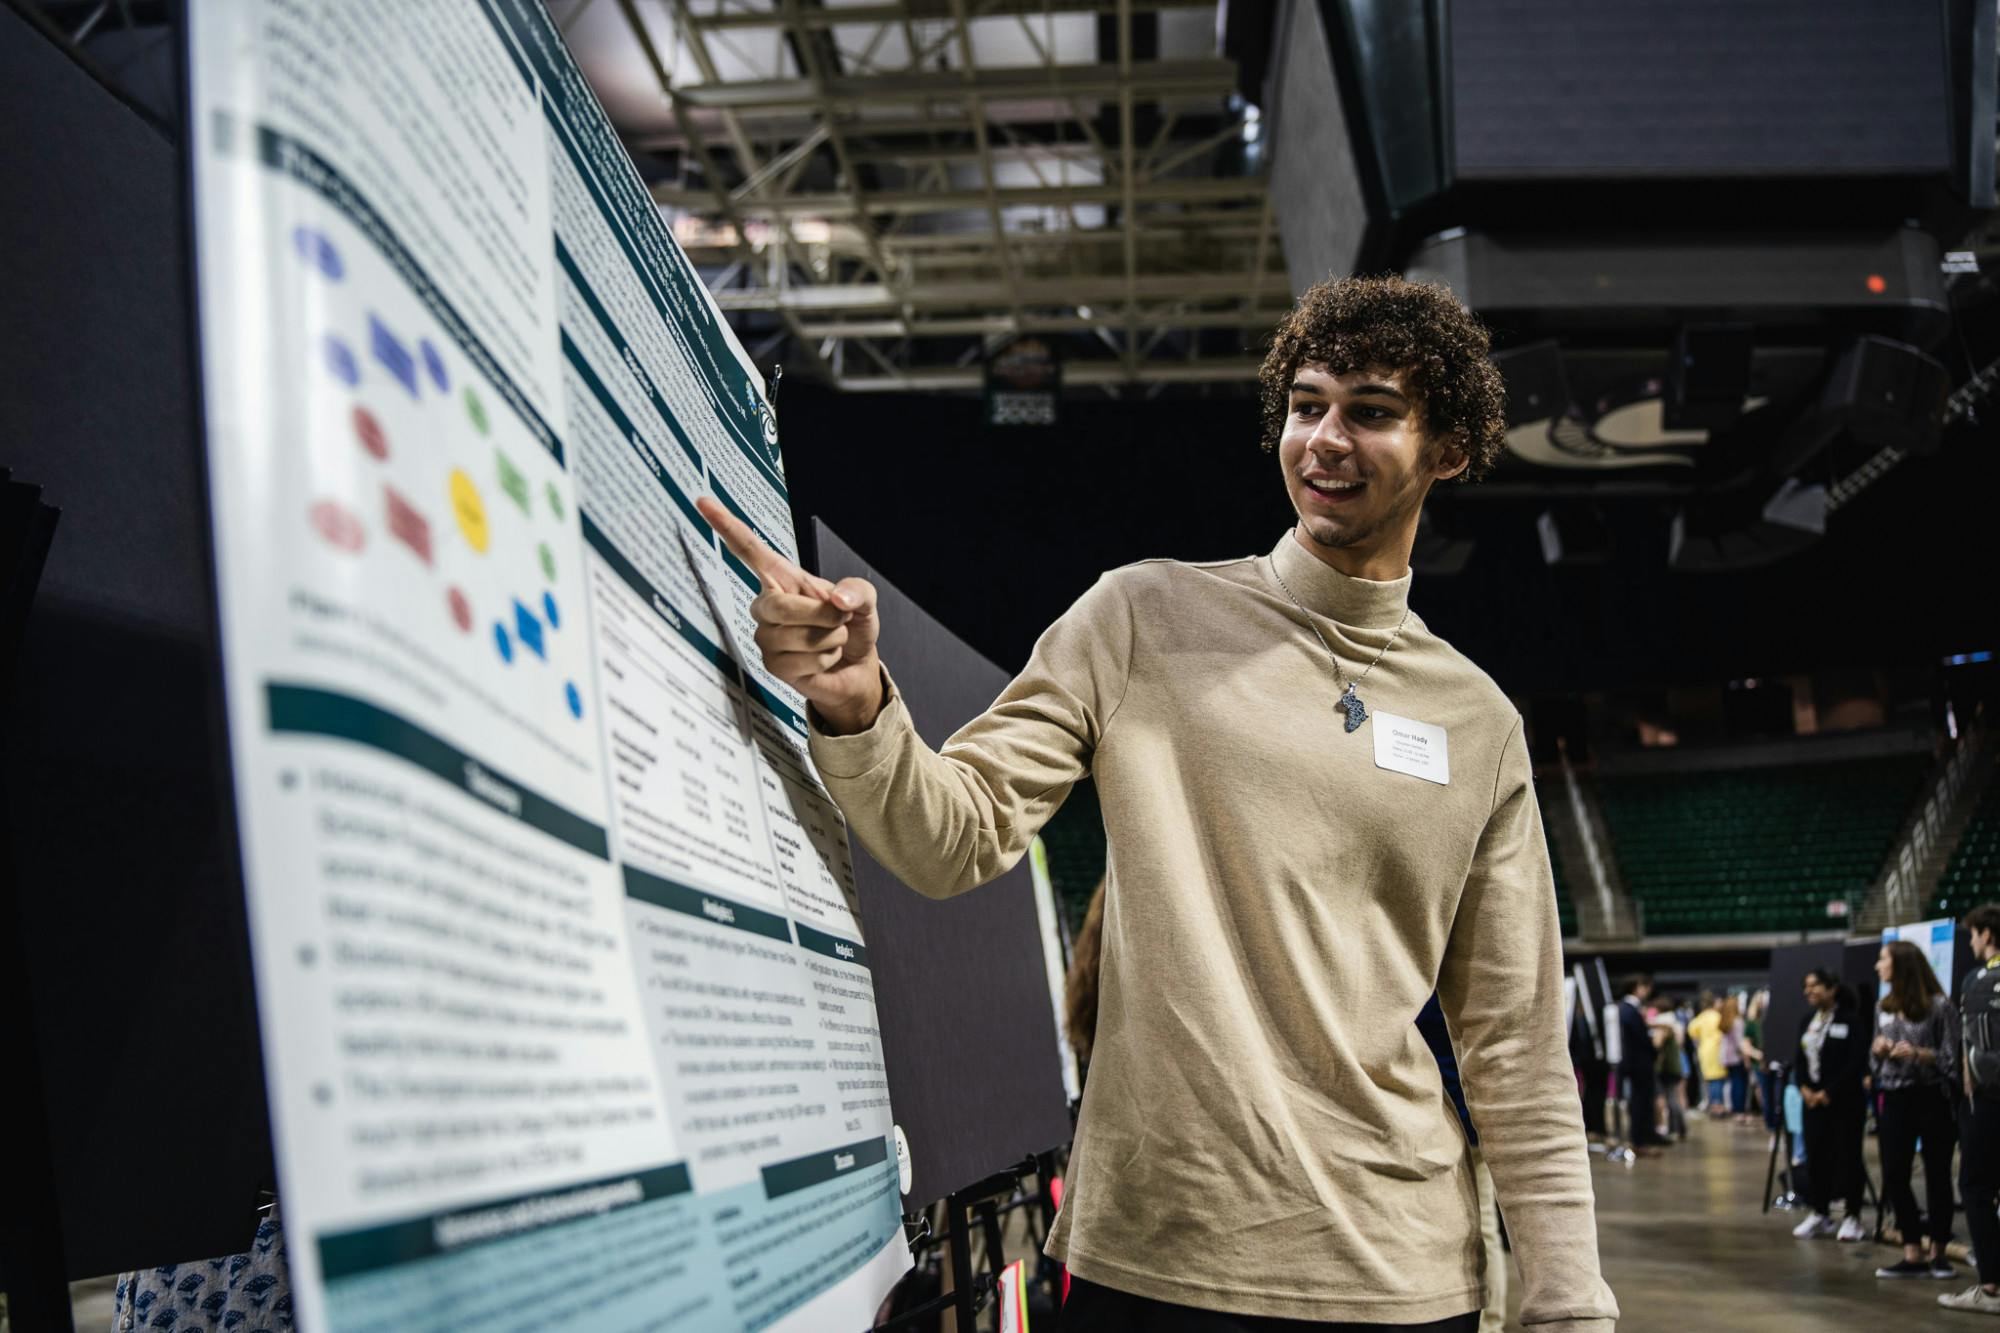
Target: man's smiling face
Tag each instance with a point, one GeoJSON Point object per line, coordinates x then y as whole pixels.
{"type": "Point", "coordinates": [1357, 466]}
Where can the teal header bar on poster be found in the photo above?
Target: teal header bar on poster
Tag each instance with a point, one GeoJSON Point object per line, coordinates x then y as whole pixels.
{"type": "Point", "coordinates": [800, 1173]}
{"type": "Point", "coordinates": [832, 946]}
{"type": "Point", "coordinates": [710, 907]}
{"type": "Point", "coordinates": [307, 711]}
{"type": "Point", "coordinates": [371, 1249]}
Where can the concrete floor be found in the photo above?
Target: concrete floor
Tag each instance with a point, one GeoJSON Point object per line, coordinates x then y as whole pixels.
{"type": "Point", "coordinates": [1685, 1248]}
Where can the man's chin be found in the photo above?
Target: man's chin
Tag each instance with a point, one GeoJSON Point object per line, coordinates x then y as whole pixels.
{"type": "Point", "coordinates": [1331, 533]}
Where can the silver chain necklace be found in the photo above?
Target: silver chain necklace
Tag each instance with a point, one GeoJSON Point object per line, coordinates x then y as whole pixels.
{"type": "Point", "coordinates": [1350, 702]}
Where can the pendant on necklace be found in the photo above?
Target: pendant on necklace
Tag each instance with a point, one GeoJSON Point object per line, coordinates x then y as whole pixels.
{"type": "Point", "coordinates": [1357, 712]}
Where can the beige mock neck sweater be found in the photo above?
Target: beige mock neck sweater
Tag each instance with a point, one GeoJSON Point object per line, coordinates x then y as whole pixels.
{"type": "Point", "coordinates": [1263, 1130]}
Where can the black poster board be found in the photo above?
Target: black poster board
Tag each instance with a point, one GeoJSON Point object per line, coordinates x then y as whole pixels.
{"type": "Point", "coordinates": [137, 966]}
{"type": "Point", "coordinates": [968, 1031]}
{"type": "Point", "coordinates": [1789, 965]}
{"type": "Point", "coordinates": [1857, 971]}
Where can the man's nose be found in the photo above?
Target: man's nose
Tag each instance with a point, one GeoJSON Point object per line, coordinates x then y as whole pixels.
{"type": "Point", "coordinates": [1331, 436]}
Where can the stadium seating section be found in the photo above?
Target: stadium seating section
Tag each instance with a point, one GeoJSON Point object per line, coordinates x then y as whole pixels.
{"type": "Point", "coordinates": [1565, 905]}
{"type": "Point", "coordinates": [1972, 876]}
{"type": "Point", "coordinates": [1074, 839]}
{"type": "Point", "coordinates": [1762, 849]}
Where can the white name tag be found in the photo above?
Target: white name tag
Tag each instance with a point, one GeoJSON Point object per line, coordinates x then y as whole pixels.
{"type": "Point", "coordinates": [1836, 1029]}
{"type": "Point", "coordinates": [1404, 745]}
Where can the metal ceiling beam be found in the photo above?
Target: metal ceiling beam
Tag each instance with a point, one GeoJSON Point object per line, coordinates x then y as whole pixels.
{"type": "Point", "coordinates": [1061, 292]}
{"type": "Point", "coordinates": [821, 78]}
{"type": "Point", "coordinates": [1076, 374]}
{"type": "Point", "coordinates": [746, 155]}
{"type": "Point", "coordinates": [944, 247]}
{"type": "Point", "coordinates": [956, 156]}
{"type": "Point", "coordinates": [1179, 190]}
{"type": "Point", "coordinates": [979, 138]}
{"type": "Point", "coordinates": [1161, 166]}
{"type": "Point", "coordinates": [1128, 181]}
{"type": "Point", "coordinates": [979, 326]}
{"type": "Point", "coordinates": [923, 10]}
{"type": "Point", "coordinates": [946, 244]}
{"type": "Point", "coordinates": [776, 169]}
{"type": "Point", "coordinates": [1260, 262]}
{"type": "Point", "coordinates": [1153, 78]}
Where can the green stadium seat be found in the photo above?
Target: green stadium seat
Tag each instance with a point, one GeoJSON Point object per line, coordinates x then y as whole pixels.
{"type": "Point", "coordinates": [1972, 876]}
{"type": "Point", "coordinates": [1761, 849]}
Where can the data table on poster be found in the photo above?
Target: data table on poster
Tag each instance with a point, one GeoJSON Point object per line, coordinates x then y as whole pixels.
{"type": "Point", "coordinates": [568, 1015]}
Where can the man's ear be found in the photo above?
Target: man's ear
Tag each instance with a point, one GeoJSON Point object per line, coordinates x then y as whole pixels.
{"type": "Point", "coordinates": [1451, 460]}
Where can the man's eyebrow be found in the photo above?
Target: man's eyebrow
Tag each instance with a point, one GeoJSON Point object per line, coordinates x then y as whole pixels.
{"type": "Point", "coordinates": [1300, 386]}
{"type": "Point", "coordinates": [1382, 389]}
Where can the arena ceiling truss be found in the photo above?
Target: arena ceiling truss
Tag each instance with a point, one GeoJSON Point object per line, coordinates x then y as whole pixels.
{"type": "Point", "coordinates": [880, 195]}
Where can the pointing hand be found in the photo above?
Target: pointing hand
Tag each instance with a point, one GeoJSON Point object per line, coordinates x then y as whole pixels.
{"type": "Point", "coordinates": [818, 637]}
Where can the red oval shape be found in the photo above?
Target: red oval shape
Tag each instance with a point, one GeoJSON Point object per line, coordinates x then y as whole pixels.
{"type": "Point", "coordinates": [369, 431]}
{"type": "Point", "coordinates": [338, 525]}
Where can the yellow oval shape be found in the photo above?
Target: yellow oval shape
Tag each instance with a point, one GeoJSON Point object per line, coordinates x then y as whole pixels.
{"type": "Point", "coordinates": [470, 511]}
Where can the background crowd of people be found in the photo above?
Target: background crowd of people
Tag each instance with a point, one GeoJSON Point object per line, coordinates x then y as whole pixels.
{"type": "Point", "coordinates": [1911, 1066]}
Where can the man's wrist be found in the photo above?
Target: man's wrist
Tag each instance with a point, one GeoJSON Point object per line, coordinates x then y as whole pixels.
{"type": "Point", "coordinates": [859, 714]}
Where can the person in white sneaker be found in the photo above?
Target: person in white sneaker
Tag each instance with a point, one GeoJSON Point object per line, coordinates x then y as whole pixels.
{"type": "Point", "coordinates": [1975, 1298]}
{"type": "Point", "coordinates": [1816, 1225]}
{"type": "Point", "coordinates": [1979, 1114]}
{"type": "Point", "coordinates": [1828, 1071]}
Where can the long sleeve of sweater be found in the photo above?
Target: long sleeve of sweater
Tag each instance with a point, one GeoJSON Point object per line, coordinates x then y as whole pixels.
{"type": "Point", "coordinates": [981, 799]}
{"type": "Point", "coordinates": [1506, 941]}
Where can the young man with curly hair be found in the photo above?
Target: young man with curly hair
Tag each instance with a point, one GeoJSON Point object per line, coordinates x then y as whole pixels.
{"type": "Point", "coordinates": [1318, 813]}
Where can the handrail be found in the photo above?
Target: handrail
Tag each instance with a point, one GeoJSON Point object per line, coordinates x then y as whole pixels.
{"type": "Point", "coordinates": [1592, 856]}
{"type": "Point", "coordinates": [1900, 891]}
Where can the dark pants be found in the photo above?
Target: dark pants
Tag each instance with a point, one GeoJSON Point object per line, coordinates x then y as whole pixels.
{"type": "Point", "coordinates": [1833, 1153]}
{"type": "Point", "coordinates": [1910, 1114]}
{"type": "Point", "coordinates": [1639, 1090]}
{"type": "Point", "coordinates": [1739, 1088]}
{"type": "Point", "coordinates": [1094, 1309]}
{"type": "Point", "coordinates": [1979, 1180]}
{"type": "Point", "coordinates": [1593, 1097]}
{"type": "Point", "coordinates": [1677, 1120]}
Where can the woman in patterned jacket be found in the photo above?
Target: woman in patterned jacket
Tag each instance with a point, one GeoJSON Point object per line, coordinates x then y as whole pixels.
{"type": "Point", "coordinates": [1915, 1068]}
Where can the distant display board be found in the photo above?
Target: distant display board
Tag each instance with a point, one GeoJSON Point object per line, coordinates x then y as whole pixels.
{"type": "Point", "coordinates": [1938, 940]}
{"type": "Point", "coordinates": [567, 1014]}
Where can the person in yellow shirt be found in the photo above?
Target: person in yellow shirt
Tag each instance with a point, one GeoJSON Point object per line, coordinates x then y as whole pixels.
{"type": "Point", "coordinates": [1705, 1030]}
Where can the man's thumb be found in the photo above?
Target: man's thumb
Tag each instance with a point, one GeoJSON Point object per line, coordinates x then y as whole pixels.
{"type": "Point", "coordinates": [855, 595]}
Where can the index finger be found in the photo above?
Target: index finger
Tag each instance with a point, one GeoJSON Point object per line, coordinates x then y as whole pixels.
{"type": "Point", "coordinates": [771, 569]}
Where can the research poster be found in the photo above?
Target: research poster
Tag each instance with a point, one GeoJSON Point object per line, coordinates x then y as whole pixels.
{"type": "Point", "coordinates": [566, 1009]}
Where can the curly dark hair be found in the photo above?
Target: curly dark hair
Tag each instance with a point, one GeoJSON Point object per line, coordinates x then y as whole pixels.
{"type": "Point", "coordinates": [1418, 330]}
{"type": "Point", "coordinates": [1984, 917]}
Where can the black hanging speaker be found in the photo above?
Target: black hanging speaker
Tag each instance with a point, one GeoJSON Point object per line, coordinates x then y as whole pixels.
{"type": "Point", "coordinates": [1537, 387]}
{"type": "Point", "coordinates": [1880, 394]}
{"type": "Point", "coordinates": [1887, 393]}
{"type": "Point", "coordinates": [1708, 376]}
